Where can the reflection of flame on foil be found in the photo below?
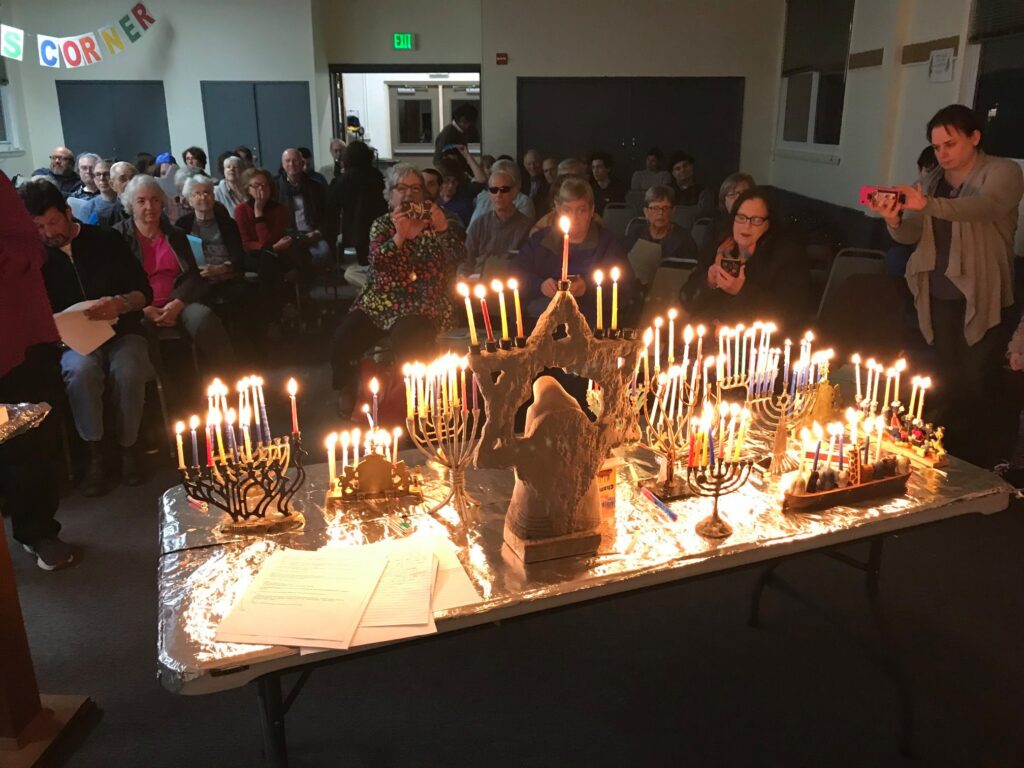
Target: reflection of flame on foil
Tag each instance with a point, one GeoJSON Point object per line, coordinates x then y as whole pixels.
{"type": "Point", "coordinates": [344, 533]}
{"type": "Point", "coordinates": [214, 588]}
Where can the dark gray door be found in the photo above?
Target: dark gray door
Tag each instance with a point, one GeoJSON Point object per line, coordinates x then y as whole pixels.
{"type": "Point", "coordinates": [114, 118]}
{"type": "Point", "coordinates": [267, 116]}
{"type": "Point", "coordinates": [625, 116]}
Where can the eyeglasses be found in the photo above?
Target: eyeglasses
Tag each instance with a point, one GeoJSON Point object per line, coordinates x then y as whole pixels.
{"type": "Point", "coordinates": [403, 188]}
{"type": "Point", "coordinates": [101, 174]}
{"type": "Point", "coordinates": [757, 221]}
{"type": "Point", "coordinates": [62, 158]}
{"type": "Point", "coordinates": [659, 208]}
{"type": "Point", "coordinates": [499, 190]}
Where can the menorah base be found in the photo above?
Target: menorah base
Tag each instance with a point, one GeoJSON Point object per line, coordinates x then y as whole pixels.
{"type": "Point", "coordinates": [714, 527]}
{"type": "Point", "coordinates": [671, 490]}
{"type": "Point", "coordinates": [273, 523]}
{"type": "Point", "coordinates": [569, 545]}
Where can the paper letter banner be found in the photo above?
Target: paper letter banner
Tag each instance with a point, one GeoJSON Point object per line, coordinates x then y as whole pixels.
{"type": "Point", "coordinates": [49, 51]}
{"type": "Point", "coordinates": [12, 42]}
{"type": "Point", "coordinates": [81, 50]}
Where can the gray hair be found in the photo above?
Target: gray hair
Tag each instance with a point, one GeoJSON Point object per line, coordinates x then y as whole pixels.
{"type": "Point", "coordinates": [44, 177]}
{"type": "Point", "coordinates": [574, 188]}
{"type": "Point", "coordinates": [572, 166]}
{"type": "Point", "coordinates": [139, 183]}
{"type": "Point", "coordinates": [234, 160]}
{"type": "Point", "coordinates": [184, 174]}
{"type": "Point", "coordinates": [197, 180]}
{"type": "Point", "coordinates": [399, 171]}
{"type": "Point", "coordinates": [87, 156]}
{"type": "Point", "coordinates": [116, 167]}
{"type": "Point", "coordinates": [732, 181]}
{"type": "Point", "coordinates": [659, 192]}
{"type": "Point", "coordinates": [507, 167]}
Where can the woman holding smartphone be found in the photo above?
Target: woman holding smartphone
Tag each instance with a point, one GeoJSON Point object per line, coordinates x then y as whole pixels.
{"type": "Point", "coordinates": [756, 272]}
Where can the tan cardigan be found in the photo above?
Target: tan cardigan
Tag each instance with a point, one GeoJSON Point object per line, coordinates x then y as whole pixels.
{"type": "Point", "coordinates": [984, 218]}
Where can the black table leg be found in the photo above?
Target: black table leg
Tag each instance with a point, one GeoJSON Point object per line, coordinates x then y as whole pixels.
{"type": "Point", "coordinates": [272, 711]}
{"type": "Point", "coordinates": [763, 580]}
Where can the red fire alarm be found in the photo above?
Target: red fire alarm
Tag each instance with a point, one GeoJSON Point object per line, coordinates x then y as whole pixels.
{"type": "Point", "coordinates": [501, 58]}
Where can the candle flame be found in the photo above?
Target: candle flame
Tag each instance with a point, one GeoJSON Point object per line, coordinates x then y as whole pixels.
{"type": "Point", "coordinates": [852, 416]}
{"type": "Point", "coordinates": [463, 290]}
{"type": "Point", "coordinates": [658, 322]}
{"type": "Point", "coordinates": [463, 363]}
{"type": "Point", "coordinates": [563, 224]}
{"type": "Point", "coordinates": [231, 417]}
{"type": "Point", "coordinates": [331, 441]}
{"type": "Point", "coordinates": [180, 427]}
{"type": "Point", "coordinates": [293, 387]}
{"type": "Point", "coordinates": [366, 408]}
{"type": "Point", "coordinates": [648, 337]}
{"type": "Point", "coordinates": [397, 433]}
{"type": "Point", "coordinates": [345, 438]}
{"type": "Point", "coordinates": [213, 417]}
{"type": "Point", "coordinates": [193, 422]}
{"type": "Point", "coordinates": [673, 314]}
{"type": "Point", "coordinates": [480, 291]}
{"type": "Point", "coordinates": [855, 359]}
{"type": "Point", "coordinates": [817, 430]}
{"type": "Point", "coordinates": [615, 274]}
{"type": "Point", "coordinates": [407, 370]}
{"type": "Point", "coordinates": [809, 336]}
{"type": "Point", "coordinates": [700, 330]}
{"type": "Point", "coordinates": [598, 276]}
{"type": "Point", "coordinates": [512, 284]}
{"type": "Point", "coordinates": [374, 386]}
{"type": "Point", "coordinates": [496, 285]}
{"type": "Point", "coordinates": [688, 334]}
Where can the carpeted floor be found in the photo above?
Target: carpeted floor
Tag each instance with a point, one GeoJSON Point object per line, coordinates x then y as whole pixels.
{"type": "Point", "coordinates": [668, 677]}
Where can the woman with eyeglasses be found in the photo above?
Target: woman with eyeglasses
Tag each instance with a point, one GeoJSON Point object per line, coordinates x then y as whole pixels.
{"type": "Point", "coordinates": [657, 227]}
{"type": "Point", "coordinates": [756, 273]}
{"type": "Point", "coordinates": [263, 224]}
{"type": "Point", "coordinates": [408, 294]}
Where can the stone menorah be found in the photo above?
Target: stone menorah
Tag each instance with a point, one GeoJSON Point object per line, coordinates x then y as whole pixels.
{"type": "Point", "coordinates": [555, 510]}
{"type": "Point", "coordinates": [255, 492]}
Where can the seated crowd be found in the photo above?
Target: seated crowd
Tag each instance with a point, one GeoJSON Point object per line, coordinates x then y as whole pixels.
{"type": "Point", "coordinates": [234, 250]}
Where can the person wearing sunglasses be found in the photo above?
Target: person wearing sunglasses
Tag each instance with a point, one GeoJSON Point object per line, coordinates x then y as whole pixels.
{"type": "Point", "coordinates": [756, 272]}
{"type": "Point", "coordinates": [492, 236]}
{"type": "Point", "coordinates": [484, 204]}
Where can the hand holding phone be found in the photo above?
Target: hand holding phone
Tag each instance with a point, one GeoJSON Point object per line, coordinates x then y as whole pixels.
{"type": "Point", "coordinates": [732, 266]}
{"type": "Point", "coordinates": [881, 196]}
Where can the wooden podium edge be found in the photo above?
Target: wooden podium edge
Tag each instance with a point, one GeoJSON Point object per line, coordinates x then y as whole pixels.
{"type": "Point", "coordinates": [63, 722]}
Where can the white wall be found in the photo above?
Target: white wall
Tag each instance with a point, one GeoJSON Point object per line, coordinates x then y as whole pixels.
{"type": "Point", "coordinates": [192, 40]}
{"type": "Point", "coordinates": [366, 96]}
{"type": "Point", "coordinates": [887, 106]}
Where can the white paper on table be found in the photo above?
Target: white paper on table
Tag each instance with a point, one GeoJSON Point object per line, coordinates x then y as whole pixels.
{"type": "Point", "coordinates": [79, 332]}
{"type": "Point", "coordinates": [306, 598]}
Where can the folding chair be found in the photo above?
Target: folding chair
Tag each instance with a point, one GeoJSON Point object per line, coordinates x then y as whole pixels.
{"type": "Point", "coordinates": [616, 217]}
{"type": "Point", "coordinates": [699, 230]}
{"type": "Point", "coordinates": [685, 215]}
{"type": "Point", "coordinates": [635, 201]}
{"type": "Point", "coordinates": [848, 262]}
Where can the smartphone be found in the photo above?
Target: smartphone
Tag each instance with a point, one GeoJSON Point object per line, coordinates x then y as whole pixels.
{"type": "Point", "coordinates": [416, 210]}
{"type": "Point", "coordinates": [880, 195]}
{"type": "Point", "coordinates": [732, 266]}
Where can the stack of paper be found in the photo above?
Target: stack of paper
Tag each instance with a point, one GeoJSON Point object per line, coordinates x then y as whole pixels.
{"type": "Point", "coordinates": [349, 596]}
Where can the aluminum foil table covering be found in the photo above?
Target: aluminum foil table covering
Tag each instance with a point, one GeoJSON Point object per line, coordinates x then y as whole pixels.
{"type": "Point", "coordinates": [22, 417]}
{"type": "Point", "coordinates": [202, 573]}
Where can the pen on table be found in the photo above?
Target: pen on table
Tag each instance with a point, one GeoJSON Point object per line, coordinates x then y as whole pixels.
{"type": "Point", "coordinates": [659, 504]}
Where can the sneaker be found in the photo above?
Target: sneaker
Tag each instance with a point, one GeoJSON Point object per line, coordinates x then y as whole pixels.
{"type": "Point", "coordinates": [132, 468]}
{"type": "Point", "coordinates": [95, 482]}
{"type": "Point", "coordinates": [52, 554]}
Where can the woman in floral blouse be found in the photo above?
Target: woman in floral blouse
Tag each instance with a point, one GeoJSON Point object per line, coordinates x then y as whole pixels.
{"type": "Point", "coordinates": [413, 255]}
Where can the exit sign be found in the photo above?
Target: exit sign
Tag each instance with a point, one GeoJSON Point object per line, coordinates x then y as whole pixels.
{"type": "Point", "coordinates": [404, 41]}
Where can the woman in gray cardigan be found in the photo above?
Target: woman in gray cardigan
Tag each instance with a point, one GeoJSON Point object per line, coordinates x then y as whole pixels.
{"type": "Point", "coordinates": [963, 216]}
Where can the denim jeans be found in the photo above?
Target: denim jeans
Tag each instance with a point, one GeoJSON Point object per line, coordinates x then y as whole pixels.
{"type": "Point", "coordinates": [120, 365]}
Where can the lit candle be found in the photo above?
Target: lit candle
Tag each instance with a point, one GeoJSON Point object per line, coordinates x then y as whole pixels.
{"type": "Point", "coordinates": [332, 441]}
{"type": "Point", "coordinates": [598, 277]}
{"type": "Point", "coordinates": [856, 362]}
{"type": "Point", "coordinates": [344, 450]}
{"type": "Point", "coordinates": [481, 293]}
{"type": "Point", "coordinates": [244, 417]}
{"type": "Point", "coordinates": [564, 224]}
{"type": "Point", "coordinates": [744, 422]}
{"type": "Point", "coordinates": [687, 338]}
{"type": "Point", "coordinates": [263, 410]}
{"type": "Point", "coordinates": [229, 418]}
{"type": "Point", "coordinates": [833, 431]}
{"type": "Point", "coordinates": [925, 383]}
{"type": "Point", "coordinates": [741, 352]}
{"type": "Point", "coordinates": [369, 418]}
{"type": "Point", "coordinates": [374, 390]}
{"type": "Point", "coordinates": [355, 446]}
{"type": "Point", "coordinates": [901, 366]}
{"type": "Point", "coordinates": [385, 439]}
{"type": "Point", "coordinates": [672, 313]}
{"type": "Point", "coordinates": [852, 416]}
{"type": "Point", "coordinates": [178, 429]}
{"type": "Point", "coordinates": [615, 299]}
{"type": "Point", "coordinates": [396, 433]}
{"type": "Point", "coordinates": [888, 382]}
{"type": "Point", "coordinates": [707, 364]}
{"type": "Point", "coordinates": [465, 403]}
{"type": "Point", "coordinates": [293, 388]}
{"type": "Point", "coordinates": [752, 333]}
{"type": "Point", "coordinates": [785, 364]}
{"type": "Point", "coordinates": [209, 438]}
{"type": "Point", "coordinates": [243, 394]}
{"type": "Point", "coordinates": [879, 368]}
{"type": "Point", "coordinates": [657, 345]}
{"type": "Point", "coordinates": [409, 403]}
{"type": "Point", "coordinates": [700, 342]}
{"type": "Point", "coordinates": [648, 340]}
{"type": "Point", "coordinates": [513, 285]}
{"type": "Point", "coordinates": [915, 383]}
{"type": "Point", "coordinates": [499, 288]}
{"type": "Point", "coordinates": [220, 435]}
{"type": "Point", "coordinates": [463, 290]}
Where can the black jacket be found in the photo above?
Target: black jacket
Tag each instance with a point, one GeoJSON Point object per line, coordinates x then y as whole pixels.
{"type": "Point", "coordinates": [67, 183]}
{"type": "Point", "coordinates": [776, 288]}
{"type": "Point", "coordinates": [314, 197]}
{"type": "Point", "coordinates": [100, 265]}
{"type": "Point", "coordinates": [357, 198]}
{"type": "Point", "coordinates": [228, 232]}
{"type": "Point", "coordinates": [189, 286]}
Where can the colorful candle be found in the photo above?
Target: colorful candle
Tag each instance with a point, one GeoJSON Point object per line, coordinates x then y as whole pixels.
{"type": "Point", "coordinates": [409, 404]}
{"type": "Point", "coordinates": [356, 434]}
{"type": "Point", "coordinates": [564, 224]}
{"type": "Point", "coordinates": [178, 429]}
{"type": "Point", "coordinates": [332, 442]}
{"type": "Point", "coordinates": [465, 402]}
{"type": "Point", "coordinates": [615, 298]}
{"type": "Point", "coordinates": [344, 450]}
{"type": "Point", "coordinates": [244, 417]}
{"type": "Point", "coordinates": [513, 285]}
{"type": "Point", "coordinates": [209, 438]}
{"type": "Point", "coordinates": [744, 422]}
{"type": "Point", "coordinates": [925, 383]}
{"type": "Point", "coordinates": [598, 278]}
{"type": "Point", "coordinates": [499, 288]}
{"type": "Point", "coordinates": [293, 388]}
{"type": "Point", "coordinates": [481, 293]}
{"type": "Point", "coordinates": [229, 418]}
{"type": "Point", "coordinates": [672, 313]}
{"type": "Point", "coordinates": [463, 290]}
{"type": "Point", "coordinates": [263, 410]}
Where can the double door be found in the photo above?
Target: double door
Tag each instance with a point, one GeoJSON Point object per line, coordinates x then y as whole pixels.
{"type": "Point", "coordinates": [267, 117]}
{"type": "Point", "coordinates": [626, 116]}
